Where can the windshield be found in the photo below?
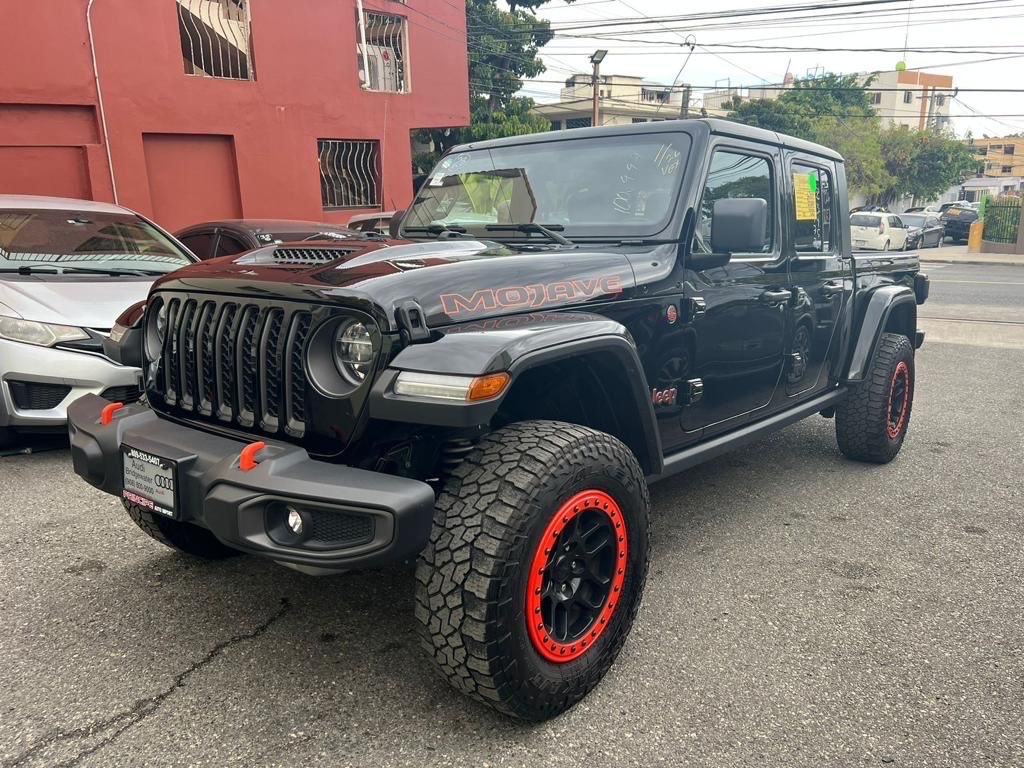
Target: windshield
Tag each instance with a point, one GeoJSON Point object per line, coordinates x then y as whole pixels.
{"type": "Point", "coordinates": [100, 242]}
{"type": "Point", "coordinates": [913, 220]}
{"type": "Point", "coordinates": [621, 186]}
{"type": "Point", "coordinates": [864, 220]}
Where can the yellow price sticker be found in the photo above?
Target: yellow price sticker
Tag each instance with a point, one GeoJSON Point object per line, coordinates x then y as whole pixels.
{"type": "Point", "coordinates": [805, 187]}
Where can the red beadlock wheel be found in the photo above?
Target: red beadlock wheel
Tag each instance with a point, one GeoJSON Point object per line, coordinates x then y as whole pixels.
{"type": "Point", "coordinates": [899, 400]}
{"type": "Point", "coordinates": [576, 576]}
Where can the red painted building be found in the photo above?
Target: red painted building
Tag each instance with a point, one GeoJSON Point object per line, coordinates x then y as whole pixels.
{"type": "Point", "coordinates": [190, 110]}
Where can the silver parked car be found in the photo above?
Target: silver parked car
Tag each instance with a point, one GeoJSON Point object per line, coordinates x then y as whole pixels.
{"type": "Point", "coordinates": [68, 269]}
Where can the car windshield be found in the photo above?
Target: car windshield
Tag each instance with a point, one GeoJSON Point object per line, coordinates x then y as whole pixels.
{"type": "Point", "coordinates": [619, 186]}
{"type": "Point", "coordinates": [864, 220]}
{"type": "Point", "coordinates": [914, 220]}
{"type": "Point", "coordinates": [98, 242]}
{"type": "Point", "coordinates": [311, 235]}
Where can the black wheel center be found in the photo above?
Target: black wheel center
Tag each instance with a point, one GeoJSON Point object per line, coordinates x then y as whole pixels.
{"type": "Point", "coordinates": [578, 576]}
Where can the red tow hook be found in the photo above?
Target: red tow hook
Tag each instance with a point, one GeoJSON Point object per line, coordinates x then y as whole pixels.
{"type": "Point", "coordinates": [107, 414]}
{"type": "Point", "coordinates": [247, 458]}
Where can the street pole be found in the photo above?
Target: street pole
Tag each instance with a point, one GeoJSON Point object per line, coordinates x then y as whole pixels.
{"type": "Point", "coordinates": [596, 59]}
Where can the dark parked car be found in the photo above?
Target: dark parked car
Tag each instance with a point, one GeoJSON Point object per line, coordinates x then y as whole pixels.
{"type": "Point", "coordinates": [924, 230]}
{"type": "Point", "coordinates": [226, 238]}
{"type": "Point", "coordinates": [957, 222]}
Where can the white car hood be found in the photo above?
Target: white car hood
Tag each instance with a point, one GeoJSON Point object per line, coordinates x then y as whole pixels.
{"type": "Point", "coordinates": [83, 301]}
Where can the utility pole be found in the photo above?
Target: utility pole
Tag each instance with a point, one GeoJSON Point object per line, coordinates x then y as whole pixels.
{"type": "Point", "coordinates": [596, 60]}
{"type": "Point", "coordinates": [684, 108]}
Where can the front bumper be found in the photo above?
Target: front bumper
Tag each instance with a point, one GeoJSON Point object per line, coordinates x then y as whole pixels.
{"type": "Point", "coordinates": [242, 508]}
{"type": "Point", "coordinates": [80, 373]}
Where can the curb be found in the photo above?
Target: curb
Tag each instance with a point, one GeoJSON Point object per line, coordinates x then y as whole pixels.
{"type": "Point", "coordinates": [977, 261]}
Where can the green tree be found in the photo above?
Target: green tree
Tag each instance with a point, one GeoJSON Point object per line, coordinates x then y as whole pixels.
{"type": "Point", "coordinates": [834, 110]}
{"type": "Point", "coordinates": [922, 164]}
{"type": "Point", "coordinates": [504, 48]}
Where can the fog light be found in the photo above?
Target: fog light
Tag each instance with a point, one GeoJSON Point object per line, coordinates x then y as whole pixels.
{"type": "Point", "coordinates": [294, 521]}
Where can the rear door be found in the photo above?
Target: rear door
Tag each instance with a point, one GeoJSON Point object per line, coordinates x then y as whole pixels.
{"type": "Point", "coordinates": [819, 274]}
{"type": "Point", "coordinates": [738, 323]}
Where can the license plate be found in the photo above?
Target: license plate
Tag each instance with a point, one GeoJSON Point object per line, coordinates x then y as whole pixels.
{"type": "Point", "coordinates": [953, 212]}
{"type": "Point", "coordinates": [149, 481]}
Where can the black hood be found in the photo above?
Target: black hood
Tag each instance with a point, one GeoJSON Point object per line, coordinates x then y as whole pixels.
{"type": "Point", "coordinates": [451, 280]}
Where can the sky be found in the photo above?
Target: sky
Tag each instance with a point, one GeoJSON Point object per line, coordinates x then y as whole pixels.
{"type": "Point", "coordinates": [968, 30]}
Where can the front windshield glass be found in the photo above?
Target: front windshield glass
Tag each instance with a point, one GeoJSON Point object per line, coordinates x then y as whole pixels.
{"type": "Point", "coordinates": [599, 186]}
{"type": "Point", "coordinates": [864, 220]}
{"type": "Point", "coordinates": [85, 240]}
{"type": "Point", "coordinates": [914, 220]}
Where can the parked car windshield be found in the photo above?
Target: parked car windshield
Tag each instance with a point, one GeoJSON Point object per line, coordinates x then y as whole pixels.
{"type": "Point", "coordinates": [605, 185]}
{"type": "Point", "coordinates": [98, 242]}
{"type": "Point", "coordinates": [864, 220]}
{"type": "Point", "coordinates": [914, 219]}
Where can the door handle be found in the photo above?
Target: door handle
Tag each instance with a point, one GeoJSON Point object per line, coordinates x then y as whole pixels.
{"type": "Point", "coordinates": [832, 288]}
{"type": "Point", "coordinates": [776, 297]}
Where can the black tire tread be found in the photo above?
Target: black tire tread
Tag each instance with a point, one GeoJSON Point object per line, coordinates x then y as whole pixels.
{"type": "Point", "coordinates": [861, 416]}
{"type": "Point", "coordinates": [473, 555]}
{"type": "Point", "coordinates": [184, 537]}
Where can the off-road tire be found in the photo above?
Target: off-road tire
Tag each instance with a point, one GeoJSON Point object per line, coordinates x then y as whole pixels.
{"type": "Point", "coordinates": [184, 537]}
{"type": "Point", "coordinates": [490, 518]}
{"type": "Point", "coordinates": [867, 428]}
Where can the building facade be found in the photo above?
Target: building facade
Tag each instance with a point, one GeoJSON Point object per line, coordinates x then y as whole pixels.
{"type": "Point", "coordinates": [624, 99]}
{"type": "Point", "coordinates": [909, 98]}
{"type": "Point", "coordinates": [189, 110]}
{"type": "Point", "coordinates": [1002, 157]}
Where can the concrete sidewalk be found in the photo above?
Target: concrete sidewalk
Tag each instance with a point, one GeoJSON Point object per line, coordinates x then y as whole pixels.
{"type": "Point", "coordinates": [957, 254]}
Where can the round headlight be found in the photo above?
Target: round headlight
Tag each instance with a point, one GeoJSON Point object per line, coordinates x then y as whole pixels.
{"type": "Point", "coordinates": [353, 351]}
{"type": "Point", "coordinates": [156, 331]}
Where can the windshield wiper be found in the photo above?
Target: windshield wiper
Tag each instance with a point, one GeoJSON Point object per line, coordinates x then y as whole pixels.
{"type": "Point", "coordinates": [62, 270]}
{"type": "Point", "coordinates": [437, 229]}
{"type": "Point", "coordinates": [548, 230]}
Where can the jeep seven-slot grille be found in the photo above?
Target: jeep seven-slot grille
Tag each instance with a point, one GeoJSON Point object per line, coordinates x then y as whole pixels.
{"type": "Point", "coordinates": [236, 363]}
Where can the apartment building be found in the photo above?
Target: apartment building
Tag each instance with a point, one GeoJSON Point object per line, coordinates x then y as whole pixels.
{"type": "Point", "coordinates": [1002, 157]}
{"type": "Point", "coordinates": [200, 109]}
{"type": "Point", "coordinates": [624, 99]}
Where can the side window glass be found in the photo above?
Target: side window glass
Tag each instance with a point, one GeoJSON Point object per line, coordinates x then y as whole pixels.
{"type": "Point", "coordinates": [813, 210]}
{"type": "Point", "coordinates": [735, 174]}
{"type": "Point", "coordinates": [229, 246]}
{"type": "Point", "coordinates": [200, 244]}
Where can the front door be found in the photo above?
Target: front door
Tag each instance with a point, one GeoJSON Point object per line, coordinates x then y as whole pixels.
{"type": "Point", "coordinates": [819, 275]}
{"type": "Point", "coordinates": [739, 312]}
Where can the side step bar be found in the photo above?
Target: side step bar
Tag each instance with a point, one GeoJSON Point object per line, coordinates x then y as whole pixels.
{"type": "Point", "coordinates": [698, 454]}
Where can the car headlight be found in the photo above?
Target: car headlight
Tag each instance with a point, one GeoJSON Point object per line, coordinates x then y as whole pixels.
{"type": "Point", "coordinates": [353, 351]}
{"type": "Point", "coordinates": [40, 334]}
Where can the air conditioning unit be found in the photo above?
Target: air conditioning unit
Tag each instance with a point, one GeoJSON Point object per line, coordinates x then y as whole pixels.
{"type": "Point", "coordinates": [382, 63]}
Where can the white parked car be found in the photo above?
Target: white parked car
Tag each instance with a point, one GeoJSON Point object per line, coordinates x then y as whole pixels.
{"type": "Point", "coordinates": [877, 231]}
{"type": "Point", "coordinates": [68, 269]}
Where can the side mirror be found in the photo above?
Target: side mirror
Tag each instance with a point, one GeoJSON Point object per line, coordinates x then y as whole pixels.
{"type": "Point", "coordinates": [395, 224]}
{"type": "Point", "coordinates": [738, 225]}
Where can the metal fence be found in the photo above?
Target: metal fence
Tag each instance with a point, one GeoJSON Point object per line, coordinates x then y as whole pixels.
{"type": "Point", "coordinates": [349, 173]}
{"type": "Point", "coordinates": [1002, 220]}
{"type": "Point", "coordinates": [215, 38]}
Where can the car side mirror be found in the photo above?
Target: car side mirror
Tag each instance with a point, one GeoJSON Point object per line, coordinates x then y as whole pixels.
{"type": "Point", "coordinates": [738, 225]}
{"type": "Point", "coordinates": [395, 224]}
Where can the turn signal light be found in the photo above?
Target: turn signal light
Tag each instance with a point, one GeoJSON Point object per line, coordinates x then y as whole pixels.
{"type": "Point", "coordinates": [486, 387]}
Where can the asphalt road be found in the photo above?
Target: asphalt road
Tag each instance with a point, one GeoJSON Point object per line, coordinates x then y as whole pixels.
{"type": "Point", "coordinates": [801, 610]}
{"type": "Point", "coordinates": [975, 304]}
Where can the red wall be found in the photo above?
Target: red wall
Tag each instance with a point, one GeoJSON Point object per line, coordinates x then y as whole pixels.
{"type": "Point", "coordinates": [176, 140]}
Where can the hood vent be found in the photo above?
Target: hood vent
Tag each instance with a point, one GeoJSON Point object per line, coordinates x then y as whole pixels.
{"type": "Point", "coordinates": [294, 257]}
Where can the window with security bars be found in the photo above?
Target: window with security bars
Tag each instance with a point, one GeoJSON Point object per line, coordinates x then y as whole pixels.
{"type": "Point", "coordinates": [578, 122]}
{"type": "Point", "coordinates": [349, 173]}
{"type": "Point", "coordinates": [382, 52]}
{"type": "Point", "coordinates": [215, 39]}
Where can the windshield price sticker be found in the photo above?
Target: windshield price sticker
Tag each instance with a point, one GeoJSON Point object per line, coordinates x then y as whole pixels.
{"type": "Point", "coordinates": [805, 186]}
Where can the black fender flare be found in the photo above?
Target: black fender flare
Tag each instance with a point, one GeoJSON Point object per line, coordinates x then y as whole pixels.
{"type": "Point", "coordinates": [880, 305]}
{"type": "Point", "coordinates": [515, 345]}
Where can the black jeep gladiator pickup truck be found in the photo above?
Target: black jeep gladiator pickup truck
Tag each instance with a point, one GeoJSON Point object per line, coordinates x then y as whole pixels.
{"type": "Point", "coordinates": [557, 321]}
